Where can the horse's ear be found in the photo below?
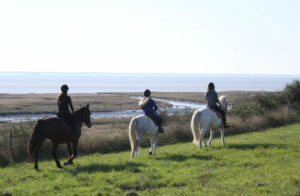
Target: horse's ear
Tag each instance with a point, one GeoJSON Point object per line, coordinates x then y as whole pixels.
{"type": "Point", "coordinates": [88, 105]}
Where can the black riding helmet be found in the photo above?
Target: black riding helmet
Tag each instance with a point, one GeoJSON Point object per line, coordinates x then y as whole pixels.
{"type": "Point", "coordinates": [147, 93]}
{"type": "Point", "coordinates": [211, 86]}
{"type": "Point", "coordinates": [64, 87]}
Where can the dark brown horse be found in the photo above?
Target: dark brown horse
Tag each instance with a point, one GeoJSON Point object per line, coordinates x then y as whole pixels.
{"type": "Point", "coordinates": [55, 129]}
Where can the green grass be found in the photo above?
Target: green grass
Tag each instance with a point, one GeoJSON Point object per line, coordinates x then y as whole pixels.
{"type": "Point", "coordinates": [257, 163]}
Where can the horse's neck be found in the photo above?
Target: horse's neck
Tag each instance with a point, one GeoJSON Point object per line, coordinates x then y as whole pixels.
{"type": "Point", "coordinates": [223, 104]}
{"type": "Point", "coordinates": [76, 117]}
{"type": "Point", "coordinates": [78, 128]}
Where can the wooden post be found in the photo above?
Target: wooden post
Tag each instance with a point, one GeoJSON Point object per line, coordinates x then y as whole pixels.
{"type": "Point", "coordinates": [10, 146]}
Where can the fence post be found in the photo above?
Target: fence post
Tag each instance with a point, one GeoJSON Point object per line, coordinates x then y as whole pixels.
{"type": "Point", "coordinates": [10, 146]}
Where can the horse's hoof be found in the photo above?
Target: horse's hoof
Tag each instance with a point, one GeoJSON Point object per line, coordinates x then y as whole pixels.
{"type": "Point", "coordinates": [36, 168]}
{"type": "Point", "coordinates": [150, 153]}
{"type": "Point", "coordinates": [66, 163]}
{"type": "Point", "coordinates": [59, 166]}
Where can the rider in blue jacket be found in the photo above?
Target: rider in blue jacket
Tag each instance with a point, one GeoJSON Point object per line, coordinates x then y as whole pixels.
{"type": "Point", "coordinates": [150, 108]}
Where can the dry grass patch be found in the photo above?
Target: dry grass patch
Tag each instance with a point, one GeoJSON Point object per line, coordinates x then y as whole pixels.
{"type": "Point", "coordinates": [46, 103]}
{"type": "Point", "coordinates": [232, 96]}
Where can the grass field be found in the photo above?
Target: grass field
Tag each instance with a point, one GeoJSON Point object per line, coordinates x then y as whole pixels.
{"type": "Point", "coordinates": [257, 163]}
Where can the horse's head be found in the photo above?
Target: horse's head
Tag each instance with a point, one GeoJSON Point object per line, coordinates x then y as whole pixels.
{"type": "Point", "coordinates": [86, 115]}
{"type": "Point", "coordinates": [223, 102]}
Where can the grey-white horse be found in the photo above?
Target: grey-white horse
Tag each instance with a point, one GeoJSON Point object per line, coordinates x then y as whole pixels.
{"type": "Point", "coordinates": [207, 119]}
{"type": "Point", "coordinates": [138, 127]}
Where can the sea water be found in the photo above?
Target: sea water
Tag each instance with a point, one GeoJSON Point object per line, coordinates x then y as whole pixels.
{"type": "Point", "coordinates": [26, 82]}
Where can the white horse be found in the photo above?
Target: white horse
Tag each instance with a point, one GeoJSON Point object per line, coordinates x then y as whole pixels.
{"type": "Point", "coordinates": [138, 127]}
{"type": "Point", "coordinates": [207, 119]}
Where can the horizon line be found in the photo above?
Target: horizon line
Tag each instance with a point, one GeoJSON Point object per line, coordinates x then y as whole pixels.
{"type": "Point", "coordinates": [143, 73]}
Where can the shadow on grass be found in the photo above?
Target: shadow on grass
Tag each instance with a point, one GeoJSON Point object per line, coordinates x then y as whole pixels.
{"type": "Point", "coordinates": [129, 166]}
{"type": "Point", "coordinates": [180, 158]}
{"type": "Point", "coordinates": [255, 146]}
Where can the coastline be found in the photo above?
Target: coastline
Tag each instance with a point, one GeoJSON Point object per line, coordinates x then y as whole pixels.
{"type": "Point", "coordinates": [34, 103]}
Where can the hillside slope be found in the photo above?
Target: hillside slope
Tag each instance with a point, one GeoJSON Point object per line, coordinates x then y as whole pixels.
{"type": "Point", "coordinates": [250, 164]}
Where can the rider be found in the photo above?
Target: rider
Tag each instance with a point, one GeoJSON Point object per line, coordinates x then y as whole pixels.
{"type": "Point", "coordinates": [149, 107]}
{"type": "Point", "coordinates": [213, 102]}
{"type": "Point", "coordinates": [64, 102]}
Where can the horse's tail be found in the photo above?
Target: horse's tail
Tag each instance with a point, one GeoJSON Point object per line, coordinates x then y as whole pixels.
{"type": "Point", "coordinates": [195, 125]}
{"type": "Point", "coordinates": [34, 139]}
{"type": "Point", "coordinates": [133, 133]}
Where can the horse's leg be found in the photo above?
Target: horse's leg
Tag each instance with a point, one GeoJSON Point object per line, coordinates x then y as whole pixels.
{"type": "Point", "coordinates": [152, 145]}
{"type": "Point", "coordinates": [136, 147]}
{"type": "Point", "coordinates": [36, 154]}
{"type": "Point", "coordinates": [204, 141]}
{"type": "Point", "coordinates": [140, 137]}
{"type": "Point", "coordinates": [133, 150]}
{"type": "Point", "coordinates": [55, 145]}
{"type": "Point", "coordinates": [155, 144]}
{"type": "Point", "coordinates": [70, 154]}
{"type": "Point", "coordinates": [222, 136]}
{"type": "Point", "coordinates": [211, 136]}
{"type": "Point", "coordinates": [204, 128]}
{"type": "Point", "coordinates": [75, 149]}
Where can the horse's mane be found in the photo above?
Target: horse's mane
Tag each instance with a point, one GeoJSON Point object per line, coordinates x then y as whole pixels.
{"type": "Point", "coordinates": [79, 111]}
{"type": "Point", "coordinates": [223, 102]}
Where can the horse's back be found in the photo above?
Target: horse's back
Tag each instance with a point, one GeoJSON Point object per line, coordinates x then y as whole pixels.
{"type": "Point", "coordinates": [51, 120]}
{"type": "Point", "coordinates": [145, 124]}
{"type": "Point", "coordinates": [203, 113]}
{"type": "Point", "coordinates": [207, 117]}
{"type": "Point", "coordinates": [52, 127]}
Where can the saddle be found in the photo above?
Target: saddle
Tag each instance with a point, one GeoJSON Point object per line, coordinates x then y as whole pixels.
{"type": "Point", "coordinates": [153, 119]}
{"type": "Point", "coordinates": [66, 122]}
{"type": "Point", "coordinates": [219, 115]}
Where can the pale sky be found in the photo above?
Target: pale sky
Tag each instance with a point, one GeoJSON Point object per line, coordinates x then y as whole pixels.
{"type": "Point", "coordinates": [151, 36]}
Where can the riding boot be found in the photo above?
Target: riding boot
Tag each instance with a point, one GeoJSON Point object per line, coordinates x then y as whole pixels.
{"type": "Point", "coordinates": [160, 130]}
{"type": "Point", "coordinates": [224, 122]}
{"type": "Point", "coordinates": [73, 137]}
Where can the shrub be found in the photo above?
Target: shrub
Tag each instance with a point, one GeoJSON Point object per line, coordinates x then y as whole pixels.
{"type": "Point", "coordinates": [258, 105]}
{"type": "Point", "coordinates": [292, 94]}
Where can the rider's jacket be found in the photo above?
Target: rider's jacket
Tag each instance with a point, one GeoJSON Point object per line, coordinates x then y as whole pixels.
{"type": "Point", "coordinates": [150, 107]}
{"type": "Point", "coordinates": [63, 102]}
{"type": "Point", "coordinates": [211, 98]}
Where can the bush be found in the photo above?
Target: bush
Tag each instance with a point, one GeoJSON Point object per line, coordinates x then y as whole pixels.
{"type": "Point", "coordinates": [258, 105]}
{"type": "Point", "coordinates": [292, 94]}
{"type": "Point", "coordinates": [258, 122]}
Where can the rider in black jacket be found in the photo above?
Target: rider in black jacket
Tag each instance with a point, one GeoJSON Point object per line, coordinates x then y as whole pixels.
{"type": "Point", "coordinates": [64, 102]}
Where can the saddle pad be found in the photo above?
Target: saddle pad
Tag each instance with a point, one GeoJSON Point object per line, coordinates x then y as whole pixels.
{"type": "Point", "coordinates": [153, 119]}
